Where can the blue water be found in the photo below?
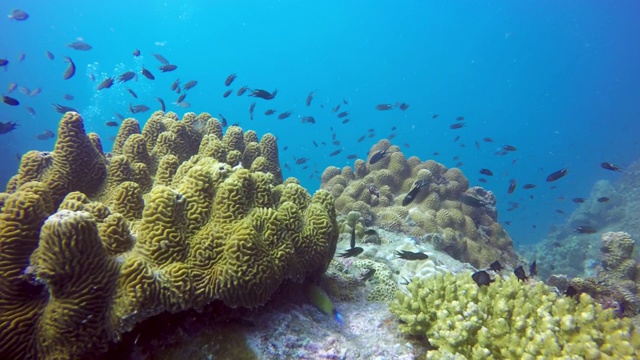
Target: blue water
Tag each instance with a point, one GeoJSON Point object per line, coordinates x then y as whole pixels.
{"type": "Point", "coordinates": [558, 80]}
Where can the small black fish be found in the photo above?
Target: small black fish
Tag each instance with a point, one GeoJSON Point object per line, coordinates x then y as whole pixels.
{"type": "Point", "coordinates": [610, 166]}
{"type": "Point", "coordinates": [343, 114]}
{"type": "Point", "coordinates": [138, 108]}
{"type": "Point", "coordinates": [161, 59]}
{"type": "Point", "coordinates": [46, 135]}
{"type": "Point", "coordinates": [223, 120]}
{"type": "Point", "coordinates": [585, 229]}
{"type": "Point", "coordinates": [352, 156]}
{"type": "Point", "coordinates": [487, 139]}
{"type": "Point", "coordinates": [270, 112]}
{"type": "Point", "coordinates": [175, 84]}
{"type": "Point", "coordinates": [80, 45]}
{"type": "Point", "coordinates": [315, 143]}
{"type": "Point", "coordinates": [486, 172]}
{"type": "Point", "coordinates": [519, 272]}
{"type": "Point", "coordinates": [68, 97]}
{"type": "Point", "coordinates": [126, 76]}
{"type": "Point", "coordinates": [136, 52]}
{"type": "Point", "coordinates": [512, 186]}
{"type": "Point", "coordinates": [528, 186]}
{"type": "Point", "coordinates": [49, 55]}
{"type": "Point", "coordinates": [403, 106]}
{"type": "Point", "coordinates": [335, 152]}
{"type": "Point", "coordinates": [411, 195]}
{"type": "Point", "coordinates": [355, 251]}
{"type": "Point", "coordinates": [456, 126]}
{"type": "Point", "coordinates": [309, 99]}
{"type": "Point", "coordinates": [383, 107]}
{"type": "Point", "coordinates": [378, 156]}
{"type": "Point", "coordinates": [263, 94]}
{"type": "Point", "coordinates": [482, 278]}
{"type": "Point", "coordinates": [162, 107]}
{"type": "Point", "coordinates": [460, 118]}
{"type": "Point", "coordinates": [301, 161]}
{"type": "Point", "coordinates": [181, 98]}
{"type": "Point", "coordinates": [361, 138]}
{"type": "Point", "coordinates": [367, 275]}
{"type": "Point", "coordinates": [557, 175]}
{"type": "Point", "coordinates": [308, 120]}
{"type": "Point", "coordinates": [18, 15]}
{"type": "Point", "coordinates": [189, 85]}
{"type": "Point", "coordinates": [578, 200]}
{"type": "Point", "coordinates": [105, 84]}
{"type": "Point", "coordinates": [570, 291]}
{"type": "Point", "coordinates": [370, 232]}
{"type": "Point", "coordinates": [10, 101]}
{"type": "Point", "coordinates": [8, 126]}
{"type": "Point", "coordinates": [63, 109]}
{"type": "Point", "coordinates": [168, 67]}
{"type": "Point", "coordinates": [533, 269]}
{"type": "Point", "coordinates": [509, 148]}
{"type": "Point", "coordinates": [336, 108]}
{"type": "Point", "coordinates": [119, 116]}
{"type": "Point", "coordinates": [435, 116]}
{"type": "Point", "coordinates": [111, 123]}
{"type": "Point", "coordinates": [496, 266]}
{"type": "Point", "coordinates": [603, 199]}
{"type": "Point", "coordinates": [409, 255]}
{"type": "Point", "coordinates": [4, 62]}
{"type": "Point", "coordinates": [230, 79]}
{"type": "Point", "coordinates": [132, 93]}
{"type": "Point", "coordinates": [284, 115]}
{"type": "Point", "coordinates": [147, 74]}
{"type": "Point", "coordinates": [241, 91]}
{"type": "Point", "coordinates": [71, 69]}
{"type": "Point", "coordinates": [227, 93]}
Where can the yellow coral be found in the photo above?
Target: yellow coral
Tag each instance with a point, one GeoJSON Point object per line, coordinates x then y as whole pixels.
{"type": "Point", "coordinates": [510, 320]}
{"type": "Point", "coordinates": [107, 259]}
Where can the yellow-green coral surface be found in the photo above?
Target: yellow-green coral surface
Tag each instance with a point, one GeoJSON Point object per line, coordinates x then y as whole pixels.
{"type": "Point", "coordinates": [510, 320]}
{"type": "Point", "coordinates": [169, 226]}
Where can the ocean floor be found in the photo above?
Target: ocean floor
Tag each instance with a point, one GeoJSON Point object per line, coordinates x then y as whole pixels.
{"type": "Point", "coordinates": [289, 326]}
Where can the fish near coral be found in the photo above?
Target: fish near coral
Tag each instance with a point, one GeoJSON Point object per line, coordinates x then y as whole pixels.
{"type": "Point", "coordinates": [263, 94]}
{"type": "Point", "coordinates": [557, 175]}
{"type": "Point", "coordinates": [322, 302]}
{"type": "Point", "coordinates": [519, 272]}
{"type": "Point", "coordinates": [409, 255]}
{"type": "Point", "coordinates": [495, 266]}
{"type": "Point", "coordinates": [378, 156]}
{"type": "Point", "coordinates": [482, 278]}
{"type": "Point", "coordinates": [355, 251]}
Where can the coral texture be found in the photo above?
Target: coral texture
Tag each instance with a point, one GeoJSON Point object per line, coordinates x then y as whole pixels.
{"type": "Point", "coordinates": [510, 320]}
{"type": "Point", "coordinates": [120, 248]}
{"type": "Point", "coordinates": [463, 220]}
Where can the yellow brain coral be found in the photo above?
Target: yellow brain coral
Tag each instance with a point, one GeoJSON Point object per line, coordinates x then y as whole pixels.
{"type": "Point", "coordinates": [74, 280]}
{"type": "Point", "coordinates": [510, 320]}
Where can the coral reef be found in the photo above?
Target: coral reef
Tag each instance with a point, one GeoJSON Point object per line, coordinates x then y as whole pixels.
{"type": "Point", "coordinates": [511, 320]}
{"type": "Point", "coordinates": [617, 281]}
{"type": "Point", "coordinates": [576, 254]}
{"type": "Point", "coordinates": [93, 243]}
{"type": "Point", "coordinates": [459, 220]}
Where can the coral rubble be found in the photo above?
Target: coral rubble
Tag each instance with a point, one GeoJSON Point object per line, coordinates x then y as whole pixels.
{"type": "Point", "coordinates": [179, 215]}
{"type": "Point", "coordinates": [457, 219]}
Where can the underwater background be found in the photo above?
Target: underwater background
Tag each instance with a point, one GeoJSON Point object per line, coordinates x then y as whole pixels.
{"type": "Point", "coordinates": [558, 80]}
{"type": "Point", "coordinates": [536, 102]}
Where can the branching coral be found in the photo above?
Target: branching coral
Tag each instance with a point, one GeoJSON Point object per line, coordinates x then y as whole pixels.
{"type": "Point", "coordinates": [510, 320]}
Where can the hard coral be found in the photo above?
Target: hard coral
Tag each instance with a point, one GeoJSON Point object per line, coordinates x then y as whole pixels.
{"type": "Point", "coordinates": [510, 320]}
{"type": "Point", "coordinates": [74, 280]}
{"type": "Point", "coordinates": [464, 217]}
